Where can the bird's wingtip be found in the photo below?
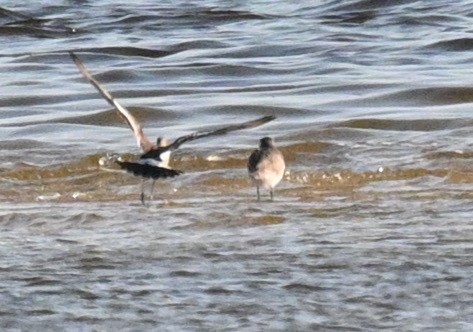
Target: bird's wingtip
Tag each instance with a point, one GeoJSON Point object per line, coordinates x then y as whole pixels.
{"type": "Point", "coordinates": [75, 58]}
{"type": "Point", "coordinates": [269, 117]}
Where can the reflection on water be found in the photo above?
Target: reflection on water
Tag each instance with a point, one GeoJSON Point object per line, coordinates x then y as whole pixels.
{"type": "Point", "coordinates": [369, 228]}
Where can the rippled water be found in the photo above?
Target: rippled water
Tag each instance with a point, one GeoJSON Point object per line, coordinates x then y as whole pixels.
{"type": "Point", "coordinates": [370, 228]}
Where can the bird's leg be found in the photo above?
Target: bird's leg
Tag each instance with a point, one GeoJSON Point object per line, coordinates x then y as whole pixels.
{"type": "Point", "coordinates": [257, 192]}
{"type": "Point", "coordinates": [271, 194]}
{"type": "Point", "coordinates": [143, 192]}
{"type": "Point", "coordinates": [152, 190]}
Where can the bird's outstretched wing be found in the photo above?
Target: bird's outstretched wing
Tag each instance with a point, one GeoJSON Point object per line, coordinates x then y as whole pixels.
{"type": "Point", "coordinates": [141, 139]}
{"type": "Point", "coordinates": [148, 171]}
{"type": "Point", "coordinates": [245, 125]}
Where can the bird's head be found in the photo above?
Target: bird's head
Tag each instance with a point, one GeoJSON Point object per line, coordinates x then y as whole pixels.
{"type": "Point", "coordinates": [266, 142]}
{"type": "Point", "coordinates": [162, 142]}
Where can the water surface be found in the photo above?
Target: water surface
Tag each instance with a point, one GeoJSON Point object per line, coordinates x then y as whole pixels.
{"type": "Point", "coordinates": [370, 228]}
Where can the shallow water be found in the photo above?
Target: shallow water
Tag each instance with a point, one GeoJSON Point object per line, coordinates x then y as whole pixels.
{"type": "Point", "coordinates": [370, 228]}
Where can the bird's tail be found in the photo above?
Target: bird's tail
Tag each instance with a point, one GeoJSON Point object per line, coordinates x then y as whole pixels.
{"type": "Point", "coordinates": [148, 171]}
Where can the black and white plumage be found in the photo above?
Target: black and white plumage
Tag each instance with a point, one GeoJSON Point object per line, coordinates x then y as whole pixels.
{"type": "Point", "coordinates": [148, 171]}
{"type": "Point", "coordinates": [154, 162]}
{"type": "Point", "coordinates": [266, 166]}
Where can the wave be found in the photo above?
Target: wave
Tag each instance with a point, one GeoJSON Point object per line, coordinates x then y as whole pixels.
{"type": "Point", "coordinates": [112, 118]}
{"type": "Point", "coordinates": [453, 45]}
{"type": "Point", "coordinates": [429, 96]}
{"type": "Point", "coordinates": [90, 178]}
{"type": "Point", "coordinates": [424, 125]}
{"type": "Point", "coordinates": [16, 23]}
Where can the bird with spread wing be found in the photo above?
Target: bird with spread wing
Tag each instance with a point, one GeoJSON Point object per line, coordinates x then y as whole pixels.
{"type": "Point", "coordinates": [154, 162]}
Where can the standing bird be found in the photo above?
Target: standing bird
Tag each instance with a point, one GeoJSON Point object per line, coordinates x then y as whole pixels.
{"type": "Point", "coordinates": [266, 166]}
{"type": "Point", "coordinates": [154, 162]}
